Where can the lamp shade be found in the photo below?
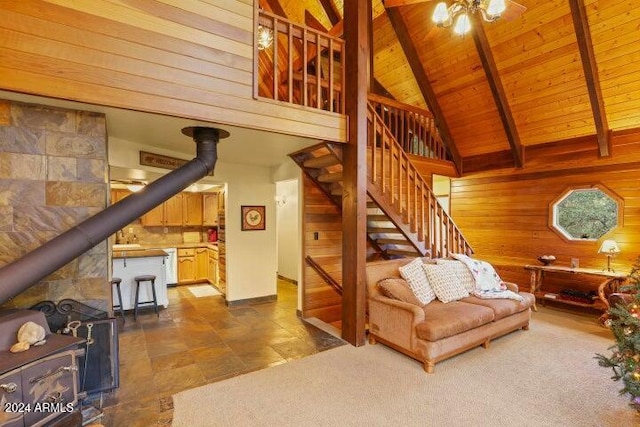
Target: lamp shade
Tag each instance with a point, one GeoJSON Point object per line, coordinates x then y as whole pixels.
{"type": "Point", "coordinates": [609, 247]}
{"type": "Point", "coordinates": [440, 14]}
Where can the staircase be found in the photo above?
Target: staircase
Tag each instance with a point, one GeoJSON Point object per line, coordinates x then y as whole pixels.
{"type": "Point", "coordinates": [404, 218]}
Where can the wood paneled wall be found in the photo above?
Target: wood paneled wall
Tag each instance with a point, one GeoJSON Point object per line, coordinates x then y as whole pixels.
{"type": "Point", "coordinates": [186, 58]}
{"type": "Point", "coordinates": [321, 216]}
{"type": "Point", "coordinates": [505, 215]}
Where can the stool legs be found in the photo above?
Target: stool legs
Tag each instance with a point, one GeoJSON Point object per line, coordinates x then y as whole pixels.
{"type": "Point", "coordinates": [152, 281]}
{"type": "Point", "coordinates": [120, 301]}
{"type": "Point", "coordinates": [155, 299]}
{"type": "Point", "coordinates": [135, 308]}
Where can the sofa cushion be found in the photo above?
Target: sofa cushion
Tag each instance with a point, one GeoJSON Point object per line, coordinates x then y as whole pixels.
{"type": "Point", "coordinates": [445, 320]}
{"type": "Point", "coordinates": [444, 282]}
{"type": "Point", "coordinates": [397, 288]}
{"type": "Point", "coordinates": [415, 276]}
{"type": "Point", "coordinates": [503, 307]}
{"type": "Point", "coordinates": [464, 274]}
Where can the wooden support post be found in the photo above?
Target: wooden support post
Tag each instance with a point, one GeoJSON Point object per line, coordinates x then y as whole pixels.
{"type": "Point", "coordinates": [357, 19]}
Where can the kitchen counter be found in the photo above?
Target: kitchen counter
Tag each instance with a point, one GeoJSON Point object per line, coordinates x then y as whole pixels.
{"type": "Point", "coordinates": [145, 247]}
{"type": "Point", "coordinates": [138, 253]}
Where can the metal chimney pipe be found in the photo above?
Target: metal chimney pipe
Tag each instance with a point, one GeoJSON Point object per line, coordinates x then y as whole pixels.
{"type": "Point", "coordinates": [24, 272]}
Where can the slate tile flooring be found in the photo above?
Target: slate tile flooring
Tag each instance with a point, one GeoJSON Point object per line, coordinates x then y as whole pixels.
{"type": "Point", "coordinates": [197, 341]}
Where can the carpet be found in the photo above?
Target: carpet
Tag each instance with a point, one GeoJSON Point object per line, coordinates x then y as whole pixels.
{"type": "Point", "coordinates": [546, 376]}
{"type": "Point", "coordinates": [203, 291]}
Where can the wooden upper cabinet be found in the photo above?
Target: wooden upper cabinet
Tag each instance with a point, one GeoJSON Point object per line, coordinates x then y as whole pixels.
{"type": "Point", "coordinates": [209, 209]}
{"type": "Point", "coordinates": [192, 209]}
{"type": "Point", "coordinates": [168, 213]}
{"type": "Point", "coordinates": [173, 211]}
{"type": "Point", "coordinates": [118, 194]}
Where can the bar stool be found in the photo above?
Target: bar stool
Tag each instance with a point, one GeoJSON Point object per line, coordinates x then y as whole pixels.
{"type": "Point", "coordinates": [145, 278]}
{"type": "Point", "coordinates": [116, 281]}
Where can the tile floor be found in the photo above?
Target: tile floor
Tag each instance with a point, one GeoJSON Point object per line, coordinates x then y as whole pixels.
{"type": "Point", "coordinates": [196, 341]}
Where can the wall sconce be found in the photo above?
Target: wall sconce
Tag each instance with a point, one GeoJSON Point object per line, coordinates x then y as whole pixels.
{"type": "Point", "coordinates": [265, 37]}
{"type": "Point", "coordinates": [611, 249]}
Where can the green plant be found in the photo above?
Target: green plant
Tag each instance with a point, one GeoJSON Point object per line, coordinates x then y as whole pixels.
{"type": "Point", "coordinates": [624, 321]}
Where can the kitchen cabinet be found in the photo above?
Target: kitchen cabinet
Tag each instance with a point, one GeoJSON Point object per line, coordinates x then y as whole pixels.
{"type": "Point", "coordinates": [168, 213]}
{"type": "Point", "coordinates": [213, 266]}
{"type": "Point", "coordinates": [186, 266]}
{"type": "Point", "coordinates": [118, 194]}
{"type": "Point", "coordinates": [209, 209]}
{"type": "Point", "coordinates": [202, 264]}
{"type": "Point", "coordinates": [192, 210]}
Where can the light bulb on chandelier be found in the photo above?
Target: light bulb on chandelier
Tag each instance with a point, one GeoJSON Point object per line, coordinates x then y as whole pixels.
{"type": "Point", "coordinates": [460, 10]}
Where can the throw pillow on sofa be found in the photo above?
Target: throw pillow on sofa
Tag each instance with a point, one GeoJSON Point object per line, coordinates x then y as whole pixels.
{"type": "Point", "coordinates": [445, 283]}
{"type": "Point", "coordinates": [417, 280]}
{"type": "Point", "coordinates": [397, 288]}
{"type": "Point", "coordinates": [464, 275]}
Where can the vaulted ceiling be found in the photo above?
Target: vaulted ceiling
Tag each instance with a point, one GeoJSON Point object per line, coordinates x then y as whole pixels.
{"type": "Point", "coordinates": [563, 71]}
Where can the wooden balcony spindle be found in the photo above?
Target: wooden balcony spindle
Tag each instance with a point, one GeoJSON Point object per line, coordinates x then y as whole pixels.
{"type": "Point", "coordinates": [290, 63]}
{"type": "Point", "coordinates": [275, 59]}
{"type": "Point", "coordinates": [318, 72]}
{"type": "Point", "coordinates": [305, 77]}
{"type": "Point", "coordinates": [331, 81]}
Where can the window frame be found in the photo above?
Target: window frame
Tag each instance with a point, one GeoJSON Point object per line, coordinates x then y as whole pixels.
{"type": "Point", "coordinates": [565, 193]}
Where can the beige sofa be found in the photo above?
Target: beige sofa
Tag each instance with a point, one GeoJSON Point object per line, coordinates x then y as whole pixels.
{"type": "Point", "coordinates": [437, 331]}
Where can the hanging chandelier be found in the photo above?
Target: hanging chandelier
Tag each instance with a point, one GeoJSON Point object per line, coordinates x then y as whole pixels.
{"type": "Point", "coordinates": [460, 10]}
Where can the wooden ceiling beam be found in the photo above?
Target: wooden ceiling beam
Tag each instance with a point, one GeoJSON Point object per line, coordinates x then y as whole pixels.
{"type": "Point", "coordinates": [402, 33]}
{"type": "Point", "coordinates": [499, 96]}
{"type": "Point", "coordinates": [331, 10]}
{"type": "Point", "coordinates": [583, 34]}
{"type": "Point", "coordinates": [276, 8]}
{"type": "Point", "coordinates": [312, 22]}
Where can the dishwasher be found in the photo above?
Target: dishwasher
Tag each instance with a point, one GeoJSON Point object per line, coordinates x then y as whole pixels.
{"type": "Point", "coordinates": [171, 266]}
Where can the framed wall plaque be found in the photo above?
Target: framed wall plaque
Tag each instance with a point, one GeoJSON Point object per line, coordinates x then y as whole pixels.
{"type": "Point", "coordinates": [253, 217]}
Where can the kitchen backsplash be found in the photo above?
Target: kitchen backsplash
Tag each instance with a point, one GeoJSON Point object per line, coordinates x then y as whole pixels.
{"type": "Point", "coordinates": [157, 236]}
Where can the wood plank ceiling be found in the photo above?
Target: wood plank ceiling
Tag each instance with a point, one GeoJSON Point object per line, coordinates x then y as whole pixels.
{"type": "Point", "coordinates": [564, 71]}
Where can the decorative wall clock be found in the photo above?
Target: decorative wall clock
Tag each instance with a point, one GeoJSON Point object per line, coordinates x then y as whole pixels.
{"type": "Point", "coordinates": [253, 217]}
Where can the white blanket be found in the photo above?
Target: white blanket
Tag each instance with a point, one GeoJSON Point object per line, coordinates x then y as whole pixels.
{"type": "Point", "coordinates": [489, 285]}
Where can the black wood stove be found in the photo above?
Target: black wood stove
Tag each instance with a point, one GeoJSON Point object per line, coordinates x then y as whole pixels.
{"type": "Point", "coordinates": [40, 385]}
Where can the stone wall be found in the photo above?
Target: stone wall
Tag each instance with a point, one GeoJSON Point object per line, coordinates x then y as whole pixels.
{"type": "Point", "coordinates": [53, 175]}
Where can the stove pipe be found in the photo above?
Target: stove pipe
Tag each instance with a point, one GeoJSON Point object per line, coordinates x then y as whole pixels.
{"type": "Point", "coordinates": [24, 272]}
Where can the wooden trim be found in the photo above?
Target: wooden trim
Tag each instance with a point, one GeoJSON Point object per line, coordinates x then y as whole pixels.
{"type": "Point", "coordinates": [252, 301]}
{"type": "Point", "coordinates": [499, 96]}
{"type": "Point", "coordinates": [590, 67]}
{"type": "Point", "coordinates": [276, 8]}
{"type": "Point", "coordinates": [404, 38]}
{"type": "Point", "coordinates": [354, 203]}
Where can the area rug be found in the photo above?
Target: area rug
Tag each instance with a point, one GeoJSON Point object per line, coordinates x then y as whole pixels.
{"type": "Point", "coordinates": [546, 376]}
{"type": "Point", "coordinates": [203, 291]}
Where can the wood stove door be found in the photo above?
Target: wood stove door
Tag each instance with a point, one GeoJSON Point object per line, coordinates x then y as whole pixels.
{"type": "Point", "coordinates": [51, 386]}
{"type": "Point", "coordinates": [11, 412]}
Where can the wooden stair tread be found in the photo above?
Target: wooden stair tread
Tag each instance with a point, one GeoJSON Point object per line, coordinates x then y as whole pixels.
{"type": "Point", "coordinates": [399, 242]}
{"type": "Point", "coordinates": [402, 253]}
{"type": "Point", "coordinates": [386, 230]}
{"type": "Point", "coordinates": [378, 217]}
{"type": "Point", "coordinates": [321, 162]}
{"type": "Point", "coordinates": [330, 177]}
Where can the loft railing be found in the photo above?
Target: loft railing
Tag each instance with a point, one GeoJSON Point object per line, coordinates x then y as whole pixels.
{"type": "Point", "coordinates": [397, 179]}
{"type": "Point", "coordinates": [413, 127]}
{"type": "Point", "coordinates": [302, 66]}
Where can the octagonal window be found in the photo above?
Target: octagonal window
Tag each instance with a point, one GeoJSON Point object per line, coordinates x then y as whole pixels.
{"type": "Point", "coordinates": [586, 213]}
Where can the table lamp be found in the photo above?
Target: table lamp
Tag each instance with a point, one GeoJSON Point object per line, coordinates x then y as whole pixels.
{"type": "Point", "coordinates": [610, 248]}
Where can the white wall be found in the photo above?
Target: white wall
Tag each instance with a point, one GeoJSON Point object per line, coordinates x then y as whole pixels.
{"type": "Point", "coordinates": [287, 229]}
{"type": "Point", "coordinates": [251, 255]}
